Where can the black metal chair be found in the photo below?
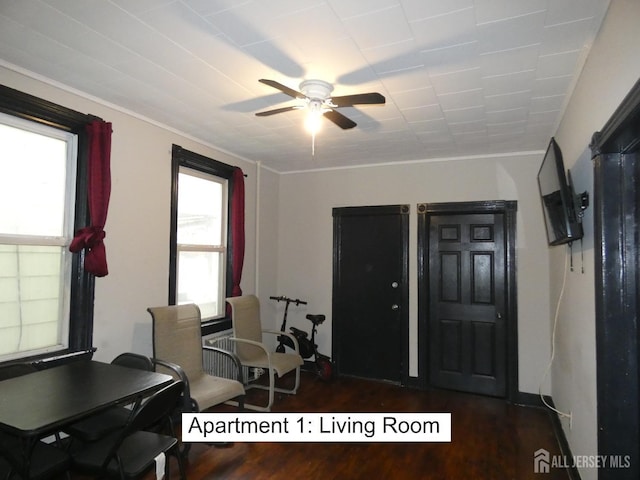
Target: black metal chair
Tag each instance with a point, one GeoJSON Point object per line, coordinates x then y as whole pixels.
{"type": "Point", "coordinates": [97, 426]}
{"type": "Point", "coordinates": [45, 460]}
{"type": "Point", "coordinates": [131, 451]}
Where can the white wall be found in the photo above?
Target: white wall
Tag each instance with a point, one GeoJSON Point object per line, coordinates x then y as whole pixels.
{"type": "Point", "coordinates": [295, 227]}
{"type": "Point", "coordinates": [267, 238]}
{"type": "Point", "coordinates": [306, 229]}
{"type": "Point", "coordinates": [612, 68]}
{"type": "Point", "coordinates": [137, 229]}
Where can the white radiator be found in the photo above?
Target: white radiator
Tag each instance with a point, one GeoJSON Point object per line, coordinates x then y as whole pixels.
{"type": "Point", "coordinates": [221, 365]}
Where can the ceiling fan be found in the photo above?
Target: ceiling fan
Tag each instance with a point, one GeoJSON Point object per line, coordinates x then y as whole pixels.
{"type": "Point", "coordinates": [316, 97]}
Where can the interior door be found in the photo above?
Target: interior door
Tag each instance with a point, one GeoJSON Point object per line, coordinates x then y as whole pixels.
{"type": "Point", "coordinates": [467, 314]}
{"type": "Point", "coordinates": [370, 292]}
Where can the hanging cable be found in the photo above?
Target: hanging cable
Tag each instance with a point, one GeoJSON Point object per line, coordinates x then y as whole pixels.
{"type": "Point", "coordinates": [553, 342]}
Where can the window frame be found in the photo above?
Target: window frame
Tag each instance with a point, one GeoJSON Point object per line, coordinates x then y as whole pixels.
{"type": "Point", "coordinates": [181, 157]}
{"type": "Point", "coordinates": [38, 110]}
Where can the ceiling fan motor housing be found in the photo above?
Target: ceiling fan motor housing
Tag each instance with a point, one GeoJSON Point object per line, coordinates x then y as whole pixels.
{"type": "Point", "coordinates": [316, 89]}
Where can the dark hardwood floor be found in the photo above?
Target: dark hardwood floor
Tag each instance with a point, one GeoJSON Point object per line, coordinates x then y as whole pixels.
{"type": "Point", "coordinates": [490, 440]}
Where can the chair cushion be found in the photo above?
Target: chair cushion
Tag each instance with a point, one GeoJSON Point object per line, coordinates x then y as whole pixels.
{"type": "Point", "coordinates": [96, 426]}
{"type": "Point", "coordinates": [136, 452]}
{"type": "Point", "coordinates": [46, 460]}
{"type": "Point", "coordinates": [208, 390]}
{"type": "Point", "coordinates": [282, 363]}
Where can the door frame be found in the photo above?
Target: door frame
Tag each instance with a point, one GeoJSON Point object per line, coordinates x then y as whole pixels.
{"type": "Point", "coordinates": [616, 186]}
{"type": "Point", "coordinates": [508, 209]}
{"type": "Point", "coordinates": [404, 211]}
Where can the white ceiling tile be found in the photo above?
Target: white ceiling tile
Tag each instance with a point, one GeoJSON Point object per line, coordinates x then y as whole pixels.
{"type": "Point", "coordinates": [181, 24]}
{"type": "Point", "coordinates": [95, 45]}
{"type": "Point", "coordinates": [507, 116]}
{"type": "Point", "coordinates": [545, 117]}
{"type": "Point", "coordinates": [45, 20]}
{"type": "Point", "coordinates": [468, 127]}
{"type": "Point", "coordinates": [297, 29]}
{"type": "Point", "coordinates": [418, 97]}
{"type": "Point", "coordinates": [462, 100]}
{"type": "Point", "coordinates": [454, 28]}
{"type": "Point", "coordinates": [545, 87]}
{"type": "Point", "coordinates": [378, 28]}
{"type": "Point", "coordinates": [510, 33]}
{"type": "Point", "coordinates": [398, 64]}
{"type": "Point", "coordinates": [467, 116]}
{"type": "Point", "coordinates": [569, 10]}
{"type": "Point", "coordinates": [347, 10]}
{"type": "Point", "coordinates": [460, 81]}
{"type": "Point", "coordinates": [436, 126]}
{"type": "Point", "coordinates": [422, 113]}
{"type": "Point", "coordinates": [558, 64]}
{"type": "Point", "coordinates": [140, 6]}
{"type": "Point", "coordinates": [472, 140]}
{"type": "Point", "coordinates": [238, 28]}
{"type": "Point", "coordinates": [451, 58]}
{"type": "Point", "coordinates": [510, 82]}
{"type": "Point", "coordinates": [279, 59]}
{"type": "Point", "coordinates": [392, 125]}
{"type": "Point", "coordinates": [420, 9]}
{"type": "Point", "coordinates": [547, 104]}
{"type": "Point", "coordinates": [489, 11]}
{"type": "Point", "coordinates": [510, 61]}
{"type": "Point", "coordinates": [409, 80]}
{"type": "Point", "coordinates": [460, 77]}
{"type": "Point", "coordinates": [210, 7]}
{"type": "Point", "coordinates": [566, 36]}
{"type": "Point", "coordinates": [507, 101]}
{"type": "Point", "coordinates": [320, 61]}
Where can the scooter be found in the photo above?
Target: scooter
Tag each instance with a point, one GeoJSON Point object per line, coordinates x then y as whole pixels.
{"type": "Point", "coordinates": [320, 364]}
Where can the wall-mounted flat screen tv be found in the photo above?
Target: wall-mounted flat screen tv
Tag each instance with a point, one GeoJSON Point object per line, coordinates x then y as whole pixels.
{"type": "Point", "coordinates": [558, 199]}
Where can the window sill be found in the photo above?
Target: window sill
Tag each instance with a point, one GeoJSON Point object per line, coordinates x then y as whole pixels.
{"type": "Point", "coordinates": [210, 327]}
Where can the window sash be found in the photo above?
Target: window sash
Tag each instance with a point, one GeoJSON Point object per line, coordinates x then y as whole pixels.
{"type": "Point", "coordinates": [208, 289]}
{"type": "Point", "coordinates": [36, 275]}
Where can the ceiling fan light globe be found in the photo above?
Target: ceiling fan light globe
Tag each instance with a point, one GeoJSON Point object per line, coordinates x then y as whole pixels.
{"type": "Point", "coordinates": [313, 122]}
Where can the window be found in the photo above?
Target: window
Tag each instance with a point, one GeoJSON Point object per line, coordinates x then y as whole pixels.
{"type": "Point", "coordinates": [35, 265]}
{"type": "Point", "coordinates": [46, 297]}
{"type": "Point", "coordinates": [201, 241]}
{"type": "Point", "coordinates": [201, 258]}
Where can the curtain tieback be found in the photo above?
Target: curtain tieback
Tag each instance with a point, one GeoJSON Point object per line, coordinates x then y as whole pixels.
{"type": "Point", "coordinates": [87, 237]}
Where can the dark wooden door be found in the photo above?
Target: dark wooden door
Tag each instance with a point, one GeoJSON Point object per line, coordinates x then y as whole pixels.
{"type": "Point", "coordinates": [370, 294]}
{"type": "Point", "coordinates": [467, 329]}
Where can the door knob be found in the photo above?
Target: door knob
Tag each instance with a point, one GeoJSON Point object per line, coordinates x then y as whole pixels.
{"type": "Point", "coordinates": [395, 306]}
{"type": "Point", "coordinates": [394, 285]}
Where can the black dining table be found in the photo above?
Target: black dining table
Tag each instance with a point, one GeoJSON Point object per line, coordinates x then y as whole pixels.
{"type": "Point", "coordinates": [42, 403]}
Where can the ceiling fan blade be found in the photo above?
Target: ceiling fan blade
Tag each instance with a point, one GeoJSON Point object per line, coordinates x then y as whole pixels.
{"type": "Point", "coordinates": [284, 89]}
{"type": "Point", "coordinates": [358, 99]}
{"type": "Point", "coordinates": [339, 119]}
{"type": "Point", "coordinates": [266, 113]}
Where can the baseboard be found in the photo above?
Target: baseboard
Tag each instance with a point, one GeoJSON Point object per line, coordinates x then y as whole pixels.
{"type": "Point", "coordinates": [529, 400]}
{"type": "Point", "coordinates": [534, 400]}
{"type": "Point", "coordinates": [415, 383]}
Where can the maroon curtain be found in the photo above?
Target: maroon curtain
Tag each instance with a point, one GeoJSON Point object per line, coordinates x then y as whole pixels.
{"type": "Point", "coordinates": [237, 230]}
{"type": "Point", "coordinates": [99, 173]}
